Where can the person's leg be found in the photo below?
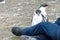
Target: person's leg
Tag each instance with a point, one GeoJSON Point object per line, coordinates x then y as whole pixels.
{"type": "Point", "coordinates": [51, 30]}
{"type": "Point", "coordinates": [47, 28]}
{"type": "Point", "coordinates": [42, 37]}
{"type": "Point", "coordinates": [33, 31]}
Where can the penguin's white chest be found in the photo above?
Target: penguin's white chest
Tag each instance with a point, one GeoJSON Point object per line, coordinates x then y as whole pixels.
{"type": "Point", "coordinates": [36, 19]}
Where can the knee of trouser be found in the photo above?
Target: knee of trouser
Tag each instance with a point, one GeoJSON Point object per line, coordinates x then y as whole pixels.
{"type": "Point", "coordinates": [57, 21]}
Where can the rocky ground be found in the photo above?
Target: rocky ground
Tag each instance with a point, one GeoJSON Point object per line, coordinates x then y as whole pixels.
{"type": "Point", "coordinates": [19, 12]}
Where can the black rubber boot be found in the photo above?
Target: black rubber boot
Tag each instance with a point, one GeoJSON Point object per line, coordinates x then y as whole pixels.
{"type": "Point", "coordinates": [16, 31]}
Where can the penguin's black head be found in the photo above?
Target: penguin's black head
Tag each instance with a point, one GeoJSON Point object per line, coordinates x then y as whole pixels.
{"type": "Point", "coordinates": [44, 5]}
{"type": "Point", "coordinates": [16, 31]}
{"type": "Point", "coordinates": [58, 21]}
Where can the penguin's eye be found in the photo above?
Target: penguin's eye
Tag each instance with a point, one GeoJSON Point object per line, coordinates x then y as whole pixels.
{"type": "Point", "coordinates": [38, 11]}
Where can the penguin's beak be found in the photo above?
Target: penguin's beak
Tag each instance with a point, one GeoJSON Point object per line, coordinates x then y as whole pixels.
{"type": "Point", "coordinates": [49, 6]}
